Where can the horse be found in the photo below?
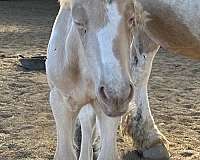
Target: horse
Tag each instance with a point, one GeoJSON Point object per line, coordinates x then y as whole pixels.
{"type": "Point", "coordinates": [96, 60]}
{"type": "Point", "coordinates": [88, 59]}
{"type": "Point", "coordinates": [149, 141]}
{"type": "Point", "coordinates": [175, 26]}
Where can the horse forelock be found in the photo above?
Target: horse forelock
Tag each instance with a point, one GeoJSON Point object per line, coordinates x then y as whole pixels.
{"type": "Point", "coordinates": [65, 2]}
{"type": "Point", "coordinates": [68, 2]}
{"type": "Point", "coordinates": [141, 16]}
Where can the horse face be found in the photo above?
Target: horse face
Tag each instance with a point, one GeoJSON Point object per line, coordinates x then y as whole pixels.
{"type": "Point", "coordinates": [104, 31]}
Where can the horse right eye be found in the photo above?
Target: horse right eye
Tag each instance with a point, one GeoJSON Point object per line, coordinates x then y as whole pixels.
{"type": "Point", "coordinates": [131, 21]}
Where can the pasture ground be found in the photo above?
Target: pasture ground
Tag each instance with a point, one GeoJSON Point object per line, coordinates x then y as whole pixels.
{"type": "Point", "coordinates": [27, 128]}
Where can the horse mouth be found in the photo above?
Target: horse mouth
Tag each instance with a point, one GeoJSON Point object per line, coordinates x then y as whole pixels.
{"type": "Point", "coordinates": [114, 111]}
{"type": "Point", "coordinates": [115, 114]}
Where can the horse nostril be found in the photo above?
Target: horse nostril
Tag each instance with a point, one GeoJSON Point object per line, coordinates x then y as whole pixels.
{"type": "Point", "coordinates": [131, 92]}
{"type": "Point", "coordinates": [117, 98]}
{"type": "Point", "coordinates": [103, 94]}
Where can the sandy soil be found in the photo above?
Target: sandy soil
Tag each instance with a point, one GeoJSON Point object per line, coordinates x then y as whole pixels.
{"type": "Point", "coordinates": [27, 128]}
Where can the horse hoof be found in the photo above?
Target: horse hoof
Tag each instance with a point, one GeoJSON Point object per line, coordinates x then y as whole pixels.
{"type": "Point", "coordinates": [157, 152]}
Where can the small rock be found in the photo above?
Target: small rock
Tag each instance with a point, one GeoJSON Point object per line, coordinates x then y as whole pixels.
{"type": "Point", "coordinates": [187, 153]}
{"type": "Point", "coordinates": [26, 127]}
{"type": "Point", "coordinates": [11, 146]}
{"type": "Point", "coordinates": [5, 115]}
{"type": "Point", "coordinates": [4, 131]}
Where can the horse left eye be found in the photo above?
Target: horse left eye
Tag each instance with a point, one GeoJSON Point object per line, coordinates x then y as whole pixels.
{"type": "Point", "coordinates": [81, 27]}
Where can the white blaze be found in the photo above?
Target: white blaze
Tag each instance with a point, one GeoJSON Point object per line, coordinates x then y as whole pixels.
{"type": "Point", "coordinates": [106, 35]}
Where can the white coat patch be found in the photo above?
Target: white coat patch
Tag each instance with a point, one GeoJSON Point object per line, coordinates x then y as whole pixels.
{"type": "Point", "coordinates": [106, 36]}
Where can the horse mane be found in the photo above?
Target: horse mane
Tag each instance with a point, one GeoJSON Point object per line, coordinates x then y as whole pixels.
{"type": "Point", "coordinates": [141, 16]}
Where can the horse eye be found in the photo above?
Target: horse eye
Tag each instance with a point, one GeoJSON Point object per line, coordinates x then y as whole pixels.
{"type": "Point", "coordinates": [81, 26]}
{"type": "Point", "coordinates": [131, 21]}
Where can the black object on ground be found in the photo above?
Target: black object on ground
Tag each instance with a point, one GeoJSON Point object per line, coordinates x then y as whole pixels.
{"type": "Point", "coordinates": [35, 63]}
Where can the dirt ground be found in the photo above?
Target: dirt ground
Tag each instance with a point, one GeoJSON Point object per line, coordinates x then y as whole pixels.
{"type": "Point", "coordinates": [27, 128]}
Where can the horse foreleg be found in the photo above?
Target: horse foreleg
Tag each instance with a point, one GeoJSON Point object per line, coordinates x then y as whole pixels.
{"type": "Point", "coordinates": [108, 135]}
{"type": "Point", "coordinates": [87, 119]}
{"type": "Point", "coordinates": [147, 138]}
{"type": "Point", "coordinates": [65, 121]}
